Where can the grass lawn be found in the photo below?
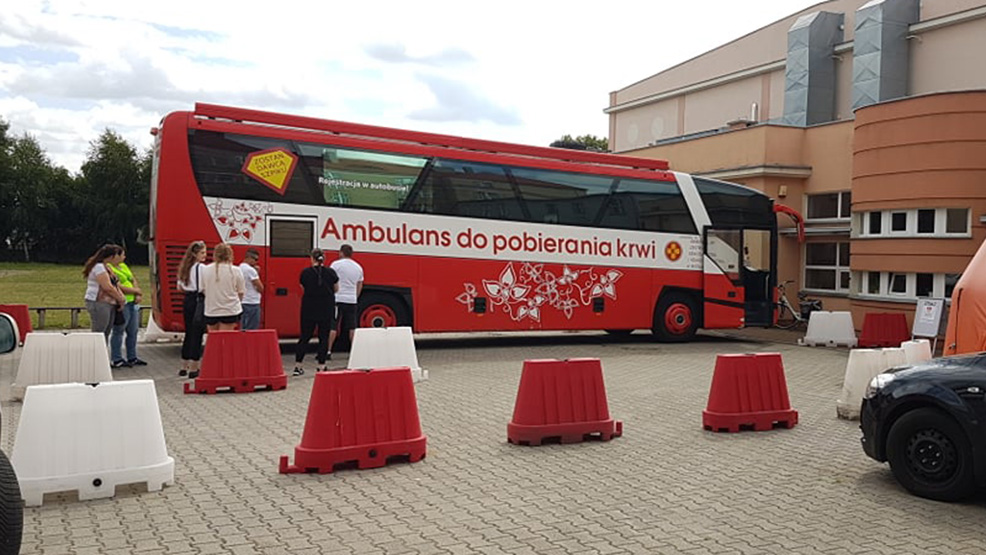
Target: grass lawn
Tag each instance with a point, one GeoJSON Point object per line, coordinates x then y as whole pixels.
{"type": "Point", "coordinates": [55, 285]}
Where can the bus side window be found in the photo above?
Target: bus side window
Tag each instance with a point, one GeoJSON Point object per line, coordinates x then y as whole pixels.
{"type": "Point", "coordinates": [648, 205]}
{"type": "Point", "coordinates": [561, 197]}
{"type": "Point", "coordinates": [472, 189]}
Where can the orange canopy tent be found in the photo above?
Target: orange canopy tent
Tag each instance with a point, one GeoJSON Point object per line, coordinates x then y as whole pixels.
{"type": "Point", "coordinates": [966, 332]}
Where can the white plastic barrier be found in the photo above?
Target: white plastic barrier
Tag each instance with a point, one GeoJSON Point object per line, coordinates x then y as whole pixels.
{"type": "Point", "coordinates": [385, 347]}
{"type": "Point", "coordinates": [894, 356]}
{"type": "Point", "coordinates": [50, 358]}
{"type": "Point", "coordinates": [917, 350]}
{"type": "Point", "coordinates": [862, 365]}
{"type": "Point", "coordinates": [90, 438]}
{"type": "Point", "coordinates": [830, 329]}
{"type": "Point", "coordinates": [154, 334]}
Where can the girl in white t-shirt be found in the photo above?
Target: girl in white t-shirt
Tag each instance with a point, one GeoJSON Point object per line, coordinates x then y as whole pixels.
{"type": "Point", "coordinates": [224, 288]}
{"type": "Point", "coordinates": [103, 296]}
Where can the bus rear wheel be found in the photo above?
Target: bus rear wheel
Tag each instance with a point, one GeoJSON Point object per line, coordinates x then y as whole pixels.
{"type": "Point", "coordinates": [675, 318]}
{"type": "Point", "coordinates": [382, 310]}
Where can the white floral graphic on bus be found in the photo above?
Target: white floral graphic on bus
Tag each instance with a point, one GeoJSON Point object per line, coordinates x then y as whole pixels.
{"type": "Point", "coordinates": [527, 293]}
{"type": "Point", "coordinates": [238, 221]}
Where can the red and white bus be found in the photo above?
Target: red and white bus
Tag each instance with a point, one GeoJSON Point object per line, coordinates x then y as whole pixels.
{"type": "Point", "coordinates": [457, 234]}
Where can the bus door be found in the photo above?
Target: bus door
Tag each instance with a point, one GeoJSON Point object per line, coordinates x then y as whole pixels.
{"type": "Point", "coordinates": [737, 277]}
{"type": "Point", "coordinates": [290, 243]}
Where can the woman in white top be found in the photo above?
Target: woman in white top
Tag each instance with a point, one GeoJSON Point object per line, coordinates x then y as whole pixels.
{"type": "Point", "coordinates": [103, 295]}
{"type": "Point", "coordinates": [224, 288]}
{"type": "Point", "coordinates": [189, 272]}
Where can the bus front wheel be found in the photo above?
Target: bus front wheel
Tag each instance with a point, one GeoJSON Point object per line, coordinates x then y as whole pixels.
{"type": "Point", "coordinates": [675, 318]}
{"type": "Point", "coordinates": [382, 310]}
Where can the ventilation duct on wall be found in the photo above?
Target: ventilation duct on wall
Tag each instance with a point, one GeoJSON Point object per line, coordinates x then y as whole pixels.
{"type": "Point", "coordinates": [880, 64]}
{"type": "Point", "coordinates": [809, 77]}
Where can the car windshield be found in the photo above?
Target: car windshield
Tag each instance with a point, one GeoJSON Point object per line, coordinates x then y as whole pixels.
{"type": "Point", "coordinates": [8, 339]}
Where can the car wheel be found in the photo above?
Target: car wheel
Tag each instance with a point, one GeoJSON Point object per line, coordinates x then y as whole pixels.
{"type": "Point", "coordinates": [11, 509]}
{"type": "Point", "coordinates": [930, 455]}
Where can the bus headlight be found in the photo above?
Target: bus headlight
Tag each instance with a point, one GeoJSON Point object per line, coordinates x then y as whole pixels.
{"type": "Point", "coordinates": [876, 384]}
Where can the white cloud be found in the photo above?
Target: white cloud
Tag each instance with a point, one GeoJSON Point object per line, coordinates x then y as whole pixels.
{"type": "Point", "coordinates": [524, 72]}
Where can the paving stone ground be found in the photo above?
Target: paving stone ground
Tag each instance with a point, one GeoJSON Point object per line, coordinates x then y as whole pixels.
{"type": "Point", "coordinates": [666, 486]}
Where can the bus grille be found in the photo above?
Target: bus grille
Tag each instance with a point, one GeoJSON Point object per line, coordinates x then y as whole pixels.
{"type": "Point", "coordinates": [169, 277]}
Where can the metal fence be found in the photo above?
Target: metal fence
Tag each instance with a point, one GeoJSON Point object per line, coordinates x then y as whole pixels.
{"type": "Point", "coordinates": [74, 312]}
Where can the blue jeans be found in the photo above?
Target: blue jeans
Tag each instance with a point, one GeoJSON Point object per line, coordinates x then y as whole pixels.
{"type": "Point", "coordinates": [131, 317]}
{"type": "Point", "coordinates": [250, 319]}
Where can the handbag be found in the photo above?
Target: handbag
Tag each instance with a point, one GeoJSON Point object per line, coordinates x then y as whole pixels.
{"type": "Point", "coordinates": [119, 319]}
{"type": "Point", "coordinates": [198, 319]}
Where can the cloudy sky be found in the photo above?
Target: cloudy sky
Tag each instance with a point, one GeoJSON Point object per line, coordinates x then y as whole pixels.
{"type": "Point", "coordinates": [525, 72]}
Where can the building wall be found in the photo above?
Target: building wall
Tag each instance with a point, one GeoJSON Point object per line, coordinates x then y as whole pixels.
{"type": "Point", "coordinates": [923, 152]}
{"type": "Point", "coordinates": [916, 153]}
{"type": "Point", "coordinates": [706, 92]}
{"type": "Point", "coordinates": [962, 45]}
{"type": "Point", "coordinates": [763, 46]}
{"type": "Point", "coordinates": [828, 151]}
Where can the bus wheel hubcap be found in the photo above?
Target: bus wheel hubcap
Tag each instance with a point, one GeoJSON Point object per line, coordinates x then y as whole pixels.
{"type": "Point", "coordinates": [378, 316]}
{"type": "Point", "coordinates": [678, 318]}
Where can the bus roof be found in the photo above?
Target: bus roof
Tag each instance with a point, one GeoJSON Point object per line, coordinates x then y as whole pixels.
{"type": "Point", "coordinates": [245, 115]}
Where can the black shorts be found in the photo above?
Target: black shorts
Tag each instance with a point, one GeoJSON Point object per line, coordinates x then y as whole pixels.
{"type": "Point", "coordinates": [347, 315]}
{"type": "Point", "coordinates": [213, 320]}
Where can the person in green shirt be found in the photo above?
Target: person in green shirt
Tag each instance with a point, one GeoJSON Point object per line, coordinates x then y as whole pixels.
{"type": "Point", "coordinates": [131, 319]}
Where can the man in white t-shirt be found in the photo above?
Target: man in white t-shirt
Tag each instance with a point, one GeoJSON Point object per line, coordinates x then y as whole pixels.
{"type": "Point", "coordinates": [250, 319]}
{"type": "Point", "coordinates": [350, 286]}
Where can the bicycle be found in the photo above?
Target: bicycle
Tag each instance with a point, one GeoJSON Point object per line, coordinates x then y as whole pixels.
{"type": "Point", "coordinates": [787, 317]}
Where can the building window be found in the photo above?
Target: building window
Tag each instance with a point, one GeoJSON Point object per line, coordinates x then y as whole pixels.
{"type": "Point", "coordinates": [907, 285]}
{"type": "Point", "coordinates": [925, 285]}
{"type": "Point", "coordinates": [897, 284]}
{"type": "Point", "coordinates": [950, 281]}
{"type": "Point", "coordinates": [923, 222]}
{"type": "Point", "coordinates": [829, 206]}
{"type": "Point", "coordinates": [957, 220]}
{"type": "Point", "coordinates": [873, 283]}
{"type": "Point", "coordinates": [875, 224]}
{"type": "Point", "coordinates": [827, 266]}
{"type": "Point", "coordinates": [898, 221]}
{"type": "Point", "coordinates": [926, 221]}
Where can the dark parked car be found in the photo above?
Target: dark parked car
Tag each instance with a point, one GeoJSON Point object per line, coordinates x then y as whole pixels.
{"type": "Point", "coordinates": [929, 422]}
{"type": "Point", "coordinates": [11, 506]}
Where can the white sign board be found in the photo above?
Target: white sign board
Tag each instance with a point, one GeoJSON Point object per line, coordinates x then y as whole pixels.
{"type": "Point", "coordinates": [927, 318]}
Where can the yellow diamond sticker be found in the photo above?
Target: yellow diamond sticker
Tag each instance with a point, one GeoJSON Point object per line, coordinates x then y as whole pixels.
{"type": "Point", "coordinates": [271, 167]}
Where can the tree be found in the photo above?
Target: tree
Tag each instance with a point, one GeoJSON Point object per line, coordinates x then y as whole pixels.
{"type": "Point", "coordinates": [28, 198]}
{"type": "Point", "coordinates": [6, 186]}
{"type": "Point", "coordinates": [582, 142]}
{"type": "Point", "coordinates": [116, 189]}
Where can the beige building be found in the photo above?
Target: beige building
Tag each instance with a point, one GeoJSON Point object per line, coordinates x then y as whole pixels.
{"type": "Point", "coordinates": [867, 117]}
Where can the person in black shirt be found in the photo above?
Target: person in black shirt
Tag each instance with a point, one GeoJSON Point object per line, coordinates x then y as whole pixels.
{"type": "Point", "coordinates": [317, 309]}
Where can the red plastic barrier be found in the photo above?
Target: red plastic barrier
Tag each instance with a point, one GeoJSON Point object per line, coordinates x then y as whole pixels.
{"type": "Point", "coordinates": [362, 417]}
{"type": "Point", "coordinates": [748, 392]}
{"type": "Point", "coordinates": [240, 362]}
{"type": "Point", "coordinates": [884, 330]}
{"type": "Point", "coordinates": [22, 315]}
{"type": "Point", "coordinates": [563, 399]}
